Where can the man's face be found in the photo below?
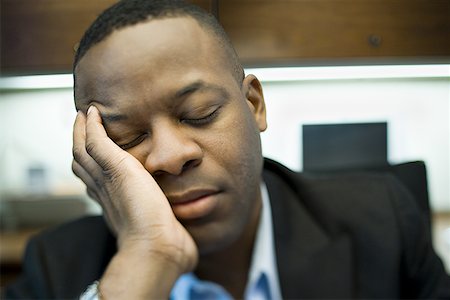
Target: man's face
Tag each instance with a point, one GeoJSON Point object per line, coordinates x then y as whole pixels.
{"type": "Point", "coordinates": [167, 95]}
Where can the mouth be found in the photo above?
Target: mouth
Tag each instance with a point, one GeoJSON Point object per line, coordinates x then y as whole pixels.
{"type": "Point", "coordinates": [194, 204]}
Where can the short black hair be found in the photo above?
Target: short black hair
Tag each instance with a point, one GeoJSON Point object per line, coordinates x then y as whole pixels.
{"type": "Point", "coordinates": [131, 12]}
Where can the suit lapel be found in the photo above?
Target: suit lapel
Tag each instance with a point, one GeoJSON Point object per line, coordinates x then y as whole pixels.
{"type": "Point", "coordinates": [311, 262]}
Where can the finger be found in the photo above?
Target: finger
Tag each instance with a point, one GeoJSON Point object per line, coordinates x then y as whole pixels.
{"type": "Point", "coordinates": [108, 210]}
{"type": "Point", "coordinates": [94, 183]}
{"type": "Point", "coordinates": [94, 196]}
{"type": "Point", "coordinates": [93, 187]}
{"type": "Point", "coordinates": [92, 190]}
{"type": "Point", "coordinates": [106, 215]}
{"type": "Point", "coordinates": [98, 145]}
{"type": "Point", "coordinates": [93, 193]}
{"type": "Point", "coordinates": [79, 152]}
{"type": "Point", "coordinates": [79, 136]}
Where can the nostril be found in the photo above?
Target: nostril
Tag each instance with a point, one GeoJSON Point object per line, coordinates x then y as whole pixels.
{"type": "Point", "coordinates": [189, 164]}
{"type": "Point", "coordinates": [186, 166]}
{"type": "Point", "coordinates": [157, 173]}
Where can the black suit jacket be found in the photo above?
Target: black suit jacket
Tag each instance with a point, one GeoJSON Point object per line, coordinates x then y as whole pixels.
{"type": "Point", "coordinates": [349, 236]}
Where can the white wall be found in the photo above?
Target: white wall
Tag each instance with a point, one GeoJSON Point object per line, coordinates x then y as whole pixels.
{"type": "Point", "coordinates": [36, 130]}
{"type": "Point", "coordinates": [36, 126]}
{"type": "Point", "coordinates": [417, 112]}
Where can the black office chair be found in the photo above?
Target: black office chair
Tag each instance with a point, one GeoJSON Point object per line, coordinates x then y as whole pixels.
{"type": "Point", "coordinates": [356, 147]}
{"type": "Point", "coordinates": [413, 176]}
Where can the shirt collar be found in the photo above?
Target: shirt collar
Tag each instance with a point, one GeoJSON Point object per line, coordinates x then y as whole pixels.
{"type": "Point", "coordinates": [263, 258]}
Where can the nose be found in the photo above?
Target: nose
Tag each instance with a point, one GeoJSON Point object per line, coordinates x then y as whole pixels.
{"type": "Point", "coordinates": [173, 151]}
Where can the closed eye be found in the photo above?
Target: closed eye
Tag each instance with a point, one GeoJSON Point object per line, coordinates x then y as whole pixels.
{"type": "Point", "coordinates": [133, 143]}
{"type": "Point", "coordinates": [202, 120]}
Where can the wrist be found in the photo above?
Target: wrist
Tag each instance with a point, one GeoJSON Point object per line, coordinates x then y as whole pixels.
{"type": "Point", "coordinates": [178, 256]}
{"type": "Point", "coordinates": [137, 272]}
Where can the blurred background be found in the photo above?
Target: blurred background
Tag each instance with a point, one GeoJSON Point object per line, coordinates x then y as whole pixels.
{"type": "Point", "coordinates": [349, 85]}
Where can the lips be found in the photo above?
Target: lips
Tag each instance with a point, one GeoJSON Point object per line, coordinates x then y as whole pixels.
{"type": "Point", "coordinates": [194, 204]}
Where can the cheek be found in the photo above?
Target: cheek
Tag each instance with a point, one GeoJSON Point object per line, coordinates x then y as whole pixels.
{"type": "Point", "coordinates": [141, 151]}
{"type": "Point", "coordinates": [237, 148]}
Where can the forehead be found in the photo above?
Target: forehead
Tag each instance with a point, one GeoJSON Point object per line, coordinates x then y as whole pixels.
{"type": "Point", "coordinates": [150, 57]}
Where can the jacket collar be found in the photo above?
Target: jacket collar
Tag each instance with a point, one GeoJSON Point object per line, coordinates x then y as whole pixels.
{"type": "Point", "coordinates": [312, 262]}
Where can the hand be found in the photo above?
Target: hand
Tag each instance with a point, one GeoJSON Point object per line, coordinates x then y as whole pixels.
{"type": "Point", "coordinates": [134, 206]}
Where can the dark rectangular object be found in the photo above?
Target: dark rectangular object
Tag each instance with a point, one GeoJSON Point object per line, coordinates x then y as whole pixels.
{"type": "Point", "coordinates": [344, 146]}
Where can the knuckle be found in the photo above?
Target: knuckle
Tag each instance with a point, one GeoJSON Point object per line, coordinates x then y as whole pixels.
{"type": "Point", "coordinates": [114, 177]}
{"type": "Point", "coordinates": [114, 168]}
{"type": "Point", "coordinates": [91, 147]}
{"type": "Point", "coordinates": [121, 162]}
{"type": "Point", "coordinates": [93, 195]}
{"type": "Point", "coordinates": [77, 153]}
{"type": "Point", "coordinates": [98, 182]}
{"type": "Point", "coordinates": [74, 167]}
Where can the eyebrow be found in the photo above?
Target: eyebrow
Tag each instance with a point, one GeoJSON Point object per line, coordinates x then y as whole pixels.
{"type": "Point", "coordinates": [113, 118]}
{"type": "Point", "coordinates": [109, 118]}
{"type": "Point", "coordinates": [200, 86]}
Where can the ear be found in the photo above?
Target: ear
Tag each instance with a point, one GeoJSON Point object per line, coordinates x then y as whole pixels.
{"type": "Point", "coordinates": [255, 100]}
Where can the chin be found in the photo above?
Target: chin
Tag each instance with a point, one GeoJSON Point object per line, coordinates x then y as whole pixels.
{"type": "Point", "coordinates": [211, 239]}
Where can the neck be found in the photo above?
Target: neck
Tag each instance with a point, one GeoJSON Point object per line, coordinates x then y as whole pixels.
{"type": "Point", "coordinates": [233, 261]}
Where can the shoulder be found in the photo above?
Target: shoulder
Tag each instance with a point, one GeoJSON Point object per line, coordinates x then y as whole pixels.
{"type": "Point", "coordinates": [348, 199]}
{"type": "Point", "coordinates": [346, 187]}
{"type": "Point", "coordinates": [80, 230]}
{"type": "Point", "coordinates": [87, 239]}
{"type": "Point", "coordinates": [387, 229]}
{"type": "Point", "coordinates": [88, 232]}
{"type": "Point", "coordinates": [61, 262]}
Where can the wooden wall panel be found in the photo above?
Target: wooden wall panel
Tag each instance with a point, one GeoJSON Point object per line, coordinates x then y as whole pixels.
{"type": "Point", "coordinates": [271, 32]}
{"type": "Point", "coordinates": [39, 36]}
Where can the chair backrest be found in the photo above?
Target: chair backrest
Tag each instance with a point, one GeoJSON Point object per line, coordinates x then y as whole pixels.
{"type": "Point", "coordinates": [345, 145]}
{"type": "Point", "coordinates": [413, 176]}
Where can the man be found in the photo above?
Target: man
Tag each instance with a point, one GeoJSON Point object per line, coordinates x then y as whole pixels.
{"type": "Point", "coordinates": [166, 140]}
